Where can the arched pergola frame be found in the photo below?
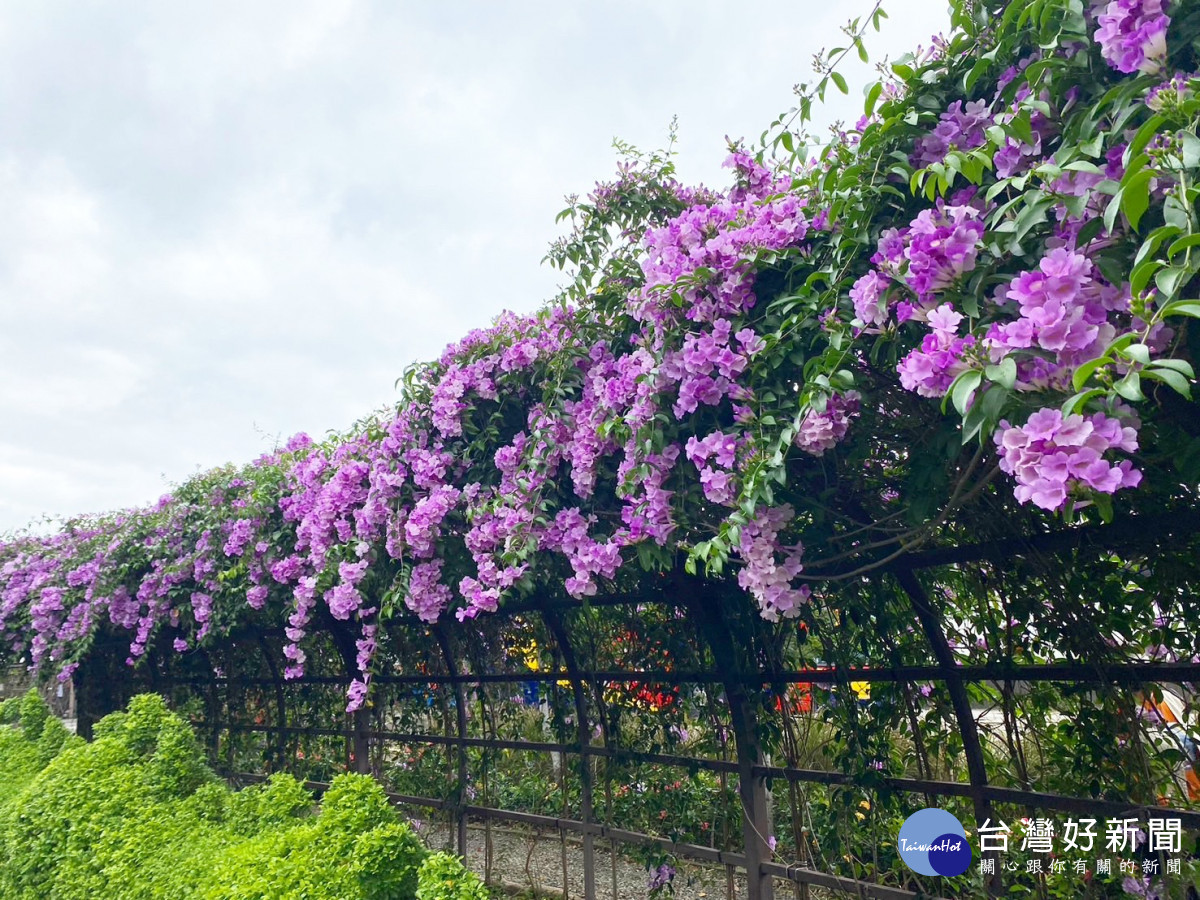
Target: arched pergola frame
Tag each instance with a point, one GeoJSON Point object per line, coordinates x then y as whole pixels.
{"type": "Point", "coordinates": [729, 636]}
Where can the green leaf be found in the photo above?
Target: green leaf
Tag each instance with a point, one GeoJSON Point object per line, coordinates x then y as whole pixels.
{"type": "Point", "coordinates": [1170, 279]}
{"type": "Point", "coordinates": [1178, 365]}
{"type": "Point", "coordinates": [873, 97]}
{"type": "Point", "coordinates": [840, 81]}
{"type": "Point", "coordinates": [1135, 197]}
{"type": "Point", "coordinates": [1130, 387]}
{"type": "Point", "coordinates": [964, 385]}
{"type": "Point", "coordinates": [1093, 146]}
{"type": "Point", "coordinates": [1004, 373]}
{"type": "Point", "coordinates": [1182, 308]}
{"type": "Point", "coordinates": [1032, 215]}
{"type": "Point", "coordinates": [980, 67]}
{"type": "Point", "coordinates": [1021, 127]}
{"type": "Point", "coordinates": [1084, 372]}
{"type": "Point", "coordinates": [1143, 136]}
{"type": "Point", "coordinates": [1138, 353]}
{"type": "Point", "coordinates": [1088, 232]}
{"type": "Point", "coordinates": [1153, 240]}
{"type": "Point", "coordinates": [1141, 274]}
{"type": "Point", "coordinates": [1080, 400]}
{"type": "Point", "coordinates": [1111, 211]}
{"type": "Point", "coordinates": [1191, 240]}
{"type": "Point", "coordinates": [1114, 268]}
{"type": "Point", "coordinates": [1191, 149]}
{"type": "Point", "coordinates": [970, 305]}
{"type": "Point", "coordinates": [1175, 213]}
{"type": "Point", "coordinates": [1172, 379]}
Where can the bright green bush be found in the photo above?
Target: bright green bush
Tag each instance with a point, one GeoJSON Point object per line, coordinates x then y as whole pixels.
{"type": "Point", "coordinates": [444, 877]}
{"type": "Point", "coordinates": [386, 861]}
{"type": "Point", "coordinates": [69, 831]}
{"type": "Point", "coordinates": [356, 847]}
{"type": "Point", "coordinates": [137, 815]}
{"type": "Point", "coordinates": [273, 804]}
{"type": "Point", "coordinates": [29, 739]}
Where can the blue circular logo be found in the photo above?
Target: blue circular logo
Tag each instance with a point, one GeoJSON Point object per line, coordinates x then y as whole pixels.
{"type": "Point", "coordinates": [933, 842]}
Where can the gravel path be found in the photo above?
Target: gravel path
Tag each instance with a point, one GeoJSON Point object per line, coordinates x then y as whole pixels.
{"type": "Point", "coordinates": [514, 864]}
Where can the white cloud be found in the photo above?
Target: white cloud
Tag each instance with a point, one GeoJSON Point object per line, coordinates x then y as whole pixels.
{"type": "Point", "coordinates": [231, 221]}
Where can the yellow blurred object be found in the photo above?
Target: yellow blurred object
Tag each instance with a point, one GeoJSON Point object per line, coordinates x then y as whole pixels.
{"type": "Point", "coordinates": [862, 689]}
{"type": "Point", "coordinates": [529, 656]}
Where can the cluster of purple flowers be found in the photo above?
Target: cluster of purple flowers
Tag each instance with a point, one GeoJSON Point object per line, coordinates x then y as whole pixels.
{"type": "Point", "coordinates": [933, 252]}
{"type": "Point", "coordinates": [821, 431]}
{"type": "Point", "coordinates": [702, 254]}
{"type": "Point", "coordinates": [959, 128]}
{"type": "Point", "coordinates": [1064, 309]}
{"type": "Point", "coordinates": [1132, 34]}
{"type": "Point", "coordinates": [1051, 455]}
{"type": "Point", "coordinates": [764, 574]}
{"type": "Point", "coordinates": [1171, 93]}
{"type": "Point", "coordinates": [931, 368]}
{"type": "Point", "coordinates": [717, 478]}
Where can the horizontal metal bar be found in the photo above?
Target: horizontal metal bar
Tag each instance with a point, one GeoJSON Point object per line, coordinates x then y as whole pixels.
{"type": "Point", "coordinates": [1116, 673]}
{"type": "Point", "coordinates": [1089, 806]}
{"type": "Point", "coordinates": [1015, 796]}
{"type": "Point", "coordinates": [694, 762]}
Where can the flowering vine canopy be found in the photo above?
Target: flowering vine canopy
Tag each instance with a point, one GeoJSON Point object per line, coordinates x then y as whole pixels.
{"type": "Point", "coordinates": [967, 311]}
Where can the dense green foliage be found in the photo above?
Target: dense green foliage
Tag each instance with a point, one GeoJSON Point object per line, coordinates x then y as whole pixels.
{"type": "Point", "coordinates": [444, 877]}
{"type": "Point", "coordinates": [136, 815]}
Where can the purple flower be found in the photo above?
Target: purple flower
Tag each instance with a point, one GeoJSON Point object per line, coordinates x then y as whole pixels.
{"type": "Point", "coordinates": [239, 535]}
{"type": "Point", "coordinates": [427, 596]}
{"type": "Point", "coordinates": [869, 294]}
{"type": "Point", "coordinates": [256, 597]}
{"type": "Point", "coordinates": [931, 368]}
{"type": "Point", "coordinates": [343, 601]}
{"type": "Point", "coordinates": [1064, 309]}
{"type": "Point", "coordinates": [942, 247]}
{"type": "Point", "coordinates": [767, 577]}
{"type": "Point", "coordinates": [357, 695]}
{"type": "Point", "coordinates": [1052, 456]}
{"type": "Point", "coordinates": [821, 431]}
{"type": "Point", "coordinates": [1133, 35]}
{"type": "Point", "coordinates": [661, 877]}
{"type": "Point", "coordinates": [960, 128]}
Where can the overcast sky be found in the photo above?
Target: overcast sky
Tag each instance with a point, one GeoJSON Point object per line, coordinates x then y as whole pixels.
{"type": "Point", "coordinates": [224, 223]}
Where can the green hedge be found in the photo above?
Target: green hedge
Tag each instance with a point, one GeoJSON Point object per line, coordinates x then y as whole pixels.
{"type": "Point", "coordinates": [136, 814]}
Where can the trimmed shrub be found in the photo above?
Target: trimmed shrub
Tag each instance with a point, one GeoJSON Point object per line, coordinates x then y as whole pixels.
{"type": "Point", "coordinates": [137, 815]}
{"type": "Point", "coordinates": [443, 877]}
